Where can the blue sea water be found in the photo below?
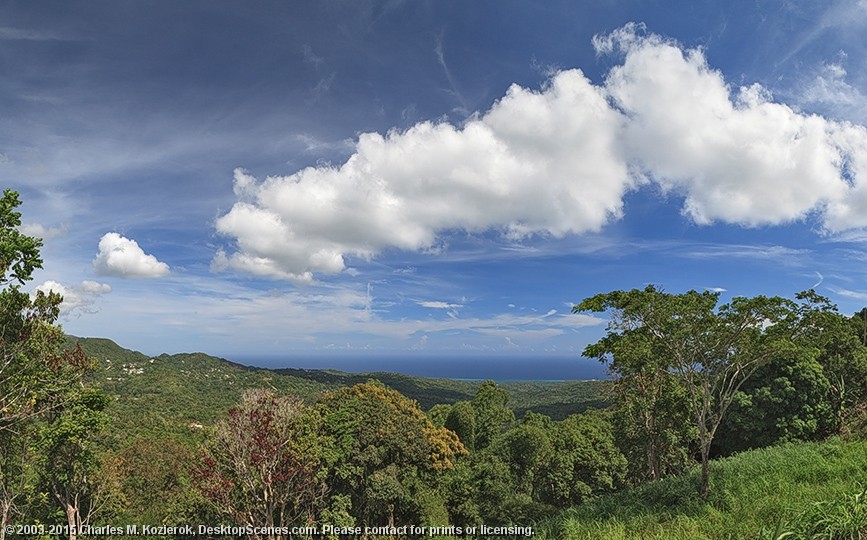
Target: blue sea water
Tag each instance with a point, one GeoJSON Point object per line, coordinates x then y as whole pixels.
{"type": "Point", "coordinates": [500, 369]}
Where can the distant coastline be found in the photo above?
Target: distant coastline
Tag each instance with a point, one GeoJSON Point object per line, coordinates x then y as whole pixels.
{"type": "Point", "coordinates": [470, 368]}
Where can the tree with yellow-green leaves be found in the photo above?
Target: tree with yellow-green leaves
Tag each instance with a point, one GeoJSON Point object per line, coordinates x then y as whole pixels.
{"type": "Point", "coordinates": [387, 456]}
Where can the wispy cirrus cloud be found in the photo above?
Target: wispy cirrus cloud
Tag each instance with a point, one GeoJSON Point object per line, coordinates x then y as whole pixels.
{"type": "Point", "coordinates": [29, 34]}
{"type": "Point", "coordinates": [238, 319]}
{"type": "Point", "coordinates": [711, 251]}
{"type": "Point", "coordinates": [435, 304]}
{"type": "Point", "coordinates": [849, 293]}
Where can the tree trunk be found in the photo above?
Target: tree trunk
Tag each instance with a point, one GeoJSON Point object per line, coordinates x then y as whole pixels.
{"type": "Point", "coordinates": [5, 515]}
{"type": "Point", "coordinates": [705, 470]}
{"type": "Point", "coordinates": [72, 520]}
{"type": "Point", "coordinates": [652, 462]}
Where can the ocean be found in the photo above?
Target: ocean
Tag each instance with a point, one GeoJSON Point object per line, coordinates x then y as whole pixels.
{"type": "Point", "coordinates": [501, 369]}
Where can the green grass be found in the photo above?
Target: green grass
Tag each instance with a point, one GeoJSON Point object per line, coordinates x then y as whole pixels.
{"type": "Point", "coordinates": [807, 490]}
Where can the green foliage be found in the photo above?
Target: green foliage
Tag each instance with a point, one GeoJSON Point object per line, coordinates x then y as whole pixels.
{"type": "Point", "coordinates": [479, 490]}
{"type": "Point", "coordinates": [809, 387]}
{"type": "Point", "coordinates": [47, 419]}
{"type": "Point", "coordinates": [19, 253]}
{"type": "Point", "coordinates": [842, 355]}
{"type": "Point", "coordinates": [338, 514]}
{"type": "Point", "coordinates": [528, 450]}
{"type": "Point", "coordinates": [438, 414]}
{"type": "Point", "coordinates": [159, 402]}
{"type": "Point", "coordinates": [534, 467]}
{"type": "Point", "coordinates": [492, 415]}
{"type": "Point", "coordinates": [585, 461]}
{"type": "Point", "coordinates": [462, 420]}
{"type": "Point", "coordinates": [654, 427]}
{"type": "Point", "coordinates": [162, 396]}
{"type": "Point", "coordinates": [753, 492]}
{"type": "Point", "coordinates": [786, 400]}
{"type": "Point", "coordinates": [152, 479]}
{"type": "Point", "coordinates": [712, 351]}
{"type": "Point", "coordinates": [387, 453]}
{"type": "Point", "coordinates": [67, 453]}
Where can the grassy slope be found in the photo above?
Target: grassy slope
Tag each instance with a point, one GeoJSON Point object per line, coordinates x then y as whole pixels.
{"type": "Point", "coordinates": [163, 395]}
{"type": "Point", "coordinates": [752, 493]}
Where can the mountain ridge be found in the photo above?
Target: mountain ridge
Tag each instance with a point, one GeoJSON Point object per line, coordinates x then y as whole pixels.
{"type": "Point", "coordinates": [172, 392]}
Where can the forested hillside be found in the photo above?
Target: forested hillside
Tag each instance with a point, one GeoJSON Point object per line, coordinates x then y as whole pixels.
{"type": "Point", "coordinates": [166, 393]}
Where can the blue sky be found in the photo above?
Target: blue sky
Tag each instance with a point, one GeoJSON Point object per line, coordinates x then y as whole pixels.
{"type": "Point", "coordinates": [428, 178]}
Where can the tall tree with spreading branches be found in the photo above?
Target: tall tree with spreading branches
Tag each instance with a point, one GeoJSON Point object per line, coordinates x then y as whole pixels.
{"type": "Point", "coordinates": [711, 350]}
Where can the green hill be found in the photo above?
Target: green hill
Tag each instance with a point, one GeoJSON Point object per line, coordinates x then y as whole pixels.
{"type": "Point", "coordinates": [797, 491]}
{"type": "Point", "coordinates": [170, 393]}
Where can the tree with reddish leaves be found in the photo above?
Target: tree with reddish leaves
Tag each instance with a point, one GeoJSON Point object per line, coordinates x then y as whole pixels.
{"type": "Point", "coordinates": [263, 464]}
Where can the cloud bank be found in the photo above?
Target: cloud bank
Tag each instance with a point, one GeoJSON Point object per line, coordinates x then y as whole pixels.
{"type": "Point", "coordinates": [121, 257]}
{"type": "Point", "coordinates": [559, 161]}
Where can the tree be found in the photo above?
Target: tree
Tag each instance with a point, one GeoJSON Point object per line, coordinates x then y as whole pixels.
{"type": "Point", "coordinates": [785, 400]}
{"type": "Point", "coordinates": [527, 448]}
{"type": "Point", "coordinates": [805, 393]}
{"type": "Point", "coordinates": [713, 351]}
{"type": "Point", "coordinates": [263, 465]}
{"type": "Point", "coordinates": [493, 415]}
{"type": "Point", "coordinates": [36, 369]}
{"type": "Point", "coordinates": [584, 460]}
{"type": "Point", "coordinates": [388, 454]}
{"type": "Point", "coordinates": [462, 420]}
{"type": "Point", "coordinates": [152, 481]}
{"type": "Point", "coordinates": [68, 455]}
{"type": "Point", "coordinates": [652, 418]}
{"type": "Point", "coordinates": [439, 413]}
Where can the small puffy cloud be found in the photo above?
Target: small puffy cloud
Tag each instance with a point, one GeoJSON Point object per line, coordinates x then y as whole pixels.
{"type": "Point", "coordinates": [122, 257]}
{"type": "Point", "coordinates": [41, 231]}
{"type": "Point", "coordinates": [77, 299]}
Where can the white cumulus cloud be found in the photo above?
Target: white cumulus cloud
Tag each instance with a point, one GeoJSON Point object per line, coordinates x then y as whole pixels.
{"type": "Point", "coordinates": [122, 257]}
{"type": "Point", "coordinates": [538, 162]}
{"type": "Point", "coordinates": [559, 161]}
{"type": "Point", "coordinates": [735, 155]}
{"type": "Point", "coordinates": [77, 299]}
